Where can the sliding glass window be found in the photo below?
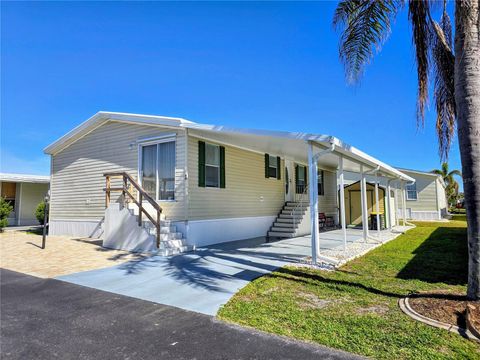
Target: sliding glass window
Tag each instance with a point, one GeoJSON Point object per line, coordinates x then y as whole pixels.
{"type": "Point", "coordinates": [158, 170]}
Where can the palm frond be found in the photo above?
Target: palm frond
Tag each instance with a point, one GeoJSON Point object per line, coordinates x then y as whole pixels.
{"type": "Point", "coordinates": [364, 26]}
{"type": "Point", "coordinates": [438, 172]}
{"type": "Point", "coordinates": [455, 172]}
{"type": "Point", "coordinates": [445, 169]}
{"type": "Point", "coordinates": [443, 71]}
{"type": "Point", "coordinates": [419, 16]}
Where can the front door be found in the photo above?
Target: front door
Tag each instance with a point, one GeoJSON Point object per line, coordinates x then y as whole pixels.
{"type": "Point", "coordinates": [289, 180]}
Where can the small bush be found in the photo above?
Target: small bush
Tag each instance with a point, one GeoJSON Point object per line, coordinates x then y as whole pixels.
{"type": "Point", "coordinates": [5, 209]}
{"type": "Point", "coordinates": [40, 212]}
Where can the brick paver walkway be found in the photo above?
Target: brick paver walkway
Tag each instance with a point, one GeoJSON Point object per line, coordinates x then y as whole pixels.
{"type": "Point", "coordinates": [20, 251]}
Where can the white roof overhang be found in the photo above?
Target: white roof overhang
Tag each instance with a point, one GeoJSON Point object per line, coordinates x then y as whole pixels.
{"type": "Point", "coordinates": [292, 145]}
{"type": "Point", "coordinates": [24, 178]}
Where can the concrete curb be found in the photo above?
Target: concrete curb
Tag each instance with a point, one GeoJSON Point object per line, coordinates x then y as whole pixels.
{"type": "Point", "coordinates": [470, 326]}
{"type": "Point", "coordinates": [407, 309]}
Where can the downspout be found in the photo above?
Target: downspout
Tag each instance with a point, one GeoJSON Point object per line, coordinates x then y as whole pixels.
{"type": "Point", "coordinates": [186, 193]}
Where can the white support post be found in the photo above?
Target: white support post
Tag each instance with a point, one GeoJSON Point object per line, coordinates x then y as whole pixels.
{"type": "Point", "coordinates": [404, 205]}
{"type": "Point", "coordinates": [313, 192]}
{"type": "Point", "coordinates": [389, 206]}
{"type": "Point", "coordinates": [342, 205]}
{"type": "Point", "coordinates": [363, 196]}
{"type": "Point", "coordinates": [397, 208]}
{"type": "Point", "coordinates": [377, 204]}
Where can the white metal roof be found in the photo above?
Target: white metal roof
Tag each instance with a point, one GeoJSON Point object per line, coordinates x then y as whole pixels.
{"type": "Point", "coordinates": [24, 178]}
{"type": "Point", "coordinates": [426, 173]}
{"type": "Point", "coordinates": [289, 144]}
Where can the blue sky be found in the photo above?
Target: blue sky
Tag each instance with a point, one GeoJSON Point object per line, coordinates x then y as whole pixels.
{"type": "Point", "coordinates": [256, 65]}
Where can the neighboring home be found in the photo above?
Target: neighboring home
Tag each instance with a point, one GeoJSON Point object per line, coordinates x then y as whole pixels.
{"type": "Point", "coordinates": [426, 198]}
{"type": "Point", "coordinates": [24, 193]}
{"type": "Point", "coordinates": [198, 184]}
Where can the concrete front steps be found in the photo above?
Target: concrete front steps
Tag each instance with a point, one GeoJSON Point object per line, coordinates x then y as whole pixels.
{"type": "Point", "coordinates": [122, 231]}
{"type": "Point", "coordinates": [171, 241]}
{"type": "Point", "coordinates": [288, 220]}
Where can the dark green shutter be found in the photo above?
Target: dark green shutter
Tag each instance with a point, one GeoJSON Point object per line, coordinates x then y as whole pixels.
{"type": "Point", "coordinates": [222, 167]}
{"type": "Point", "coordinates": [296, 177]}
{"type": "Point", "coordinates": [201, 164]}
{"type": "Point", "coordinates": [279, 164]}
{"type": "Point", "coordinates": [306, 176]}
{"type": "Point", "coordinates": [267, 159]}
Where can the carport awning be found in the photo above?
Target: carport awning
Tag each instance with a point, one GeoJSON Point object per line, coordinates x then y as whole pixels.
{"type": "Point", "coordinates": [294, 145]}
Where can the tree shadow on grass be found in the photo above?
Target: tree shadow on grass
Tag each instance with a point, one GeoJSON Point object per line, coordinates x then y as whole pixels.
{"type": "Point", "coordinates": [311, 279]}
{"type": "Point", "coordinates": [441, 258]}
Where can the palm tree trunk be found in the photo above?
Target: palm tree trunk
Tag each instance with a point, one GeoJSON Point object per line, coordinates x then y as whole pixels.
{"type": "Point", "coordinates": [467, 98]}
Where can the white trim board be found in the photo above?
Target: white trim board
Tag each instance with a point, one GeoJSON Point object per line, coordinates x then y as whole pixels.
{"type": "Point", "coordinates": [215, 231]}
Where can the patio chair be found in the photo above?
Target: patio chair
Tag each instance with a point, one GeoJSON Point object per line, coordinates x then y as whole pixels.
{"type": "Point", "coordinates": [322, 221]}
{"type": "Point", "coordinates": [329, 222]}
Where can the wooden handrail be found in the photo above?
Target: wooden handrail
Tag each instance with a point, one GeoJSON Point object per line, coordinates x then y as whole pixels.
{"type": "Point", "coordinates": [142, 194]}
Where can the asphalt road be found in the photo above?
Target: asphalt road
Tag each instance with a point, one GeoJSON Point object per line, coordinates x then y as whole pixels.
{"type": "Point", "coordinates": [48, 319]}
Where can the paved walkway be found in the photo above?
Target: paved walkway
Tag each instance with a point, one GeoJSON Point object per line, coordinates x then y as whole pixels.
{"type": "Point", "coordinates": [205, 280]}
{"type": "Point", "coordinates": [47, 319]}
{"type": "Point", "coordinates": [21, 251]}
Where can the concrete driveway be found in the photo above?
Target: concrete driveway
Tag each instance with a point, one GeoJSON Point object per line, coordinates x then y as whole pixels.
{"type": "Point", "coordinates": [201, 281]}
{"type": "Point", "coordinates": [204, 280]}
{"type": "Point", "coordinates": [48, 319]}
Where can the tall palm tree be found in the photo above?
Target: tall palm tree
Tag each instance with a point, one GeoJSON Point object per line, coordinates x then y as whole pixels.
{"type": "Point", "coordinates": [453, 68]}
{"type": "Point", "coordinates": [451, 189]}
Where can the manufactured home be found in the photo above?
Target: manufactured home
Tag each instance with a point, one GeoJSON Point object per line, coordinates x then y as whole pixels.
{"type": "Point", "coordinates": [145, 182]}
{"type": "Point", "coordinates": [24, 192]}
{"type": "Point", "coordinates": [425, 197]}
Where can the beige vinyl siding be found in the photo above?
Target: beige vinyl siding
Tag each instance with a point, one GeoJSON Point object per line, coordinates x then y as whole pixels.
{"type": "Point", "coordinates": [426, 193]}
{"type": "Point", "coordinates": [247, 192]}
{"type": "Point", "coordinates": [31, 195]}
{"type": "Point", "coordinates": [442, 198]}
{"type": "Point", "coordinates": [77, 172]}
{"type": "Point", "coordinates": [327, 203]}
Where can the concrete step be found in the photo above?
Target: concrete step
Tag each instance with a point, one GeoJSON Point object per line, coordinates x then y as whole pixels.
{"type": "Point", "coordinates": [297, 211]}
{"type": "Point", "coordinates": [281, 234]}
{"type": "Point", "coordinates": [167, 236]}
{"type": "Point", "coordinates": [174, 251]}
{"type": "Point", "coordinates": [171, 244]}
{"type": "Point", "coordinates": [163, 223]}
{"type": "Point", "coordinates": [295, 203]}
{"type": "Point", "coordinates": [283, 229]}
{"type": "Point", "coordinates": [291, 207]}
{"type": "Point", "coordinates": [285, 224]}
{"type": "Point", "coordinates": [289, 216]}
{"type": "Point", "coordinates": [286, 220]}
{"type": "Point", "coordinates": [163, 229]}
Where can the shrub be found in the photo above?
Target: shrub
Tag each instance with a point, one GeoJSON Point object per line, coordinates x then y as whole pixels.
{"type": "Point", "coordinates": [40, 212]}
{"type": "Point", "coordinates": [5, 209]}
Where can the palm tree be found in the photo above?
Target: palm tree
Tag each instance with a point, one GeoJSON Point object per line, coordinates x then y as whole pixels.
{"type": "Point", "coordinates": [451, 189]}
{"type": "Point", "coordinates": [453, 68]}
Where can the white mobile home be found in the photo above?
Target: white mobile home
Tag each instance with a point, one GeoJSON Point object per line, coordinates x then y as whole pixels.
{"type": "Point", "coordinates": [426, 198]}
{"type": "Point", "coordinates": [132, 178]}
{"type": "Point", "coordinates": [24, 193]}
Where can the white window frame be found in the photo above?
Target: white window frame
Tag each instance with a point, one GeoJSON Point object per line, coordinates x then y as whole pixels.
{"type": "Point", "coordinates": [407, 191]}
{"type": "Point", "coordinates": [212, 165]}
{"type": "Point", "coordinates": [156, 141]}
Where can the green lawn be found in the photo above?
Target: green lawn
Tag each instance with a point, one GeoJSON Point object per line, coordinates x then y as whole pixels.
{"type": "Point", "coordinates": [355, 308]}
